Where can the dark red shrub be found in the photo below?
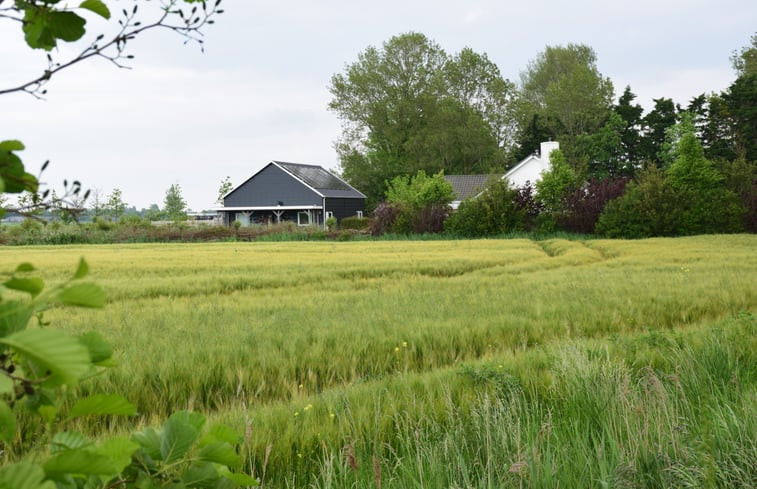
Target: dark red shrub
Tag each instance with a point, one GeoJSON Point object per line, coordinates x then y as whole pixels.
{"type": "Point", "coordinates": [582, 207]}
{"type": "Point", "coordinates": [384, 217]}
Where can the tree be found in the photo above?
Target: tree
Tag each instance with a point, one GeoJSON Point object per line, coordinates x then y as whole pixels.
{"type": "Point", "coordinates": [476, 82]}
{"type": "Point", "coordinates": [115, 206]}
{"type": "Point", "coordinates": [409, 106]}
{"type": "Point", "coordinates": [174, 204]}
{"type": "Point", "coordinates": [602, 153]}
{"type": "Point", "coordinates": [745, 60]}
{"type": "Point", "coordinates": [564, 86]}
{"type": "Point", "coordinates": [741, 103]}
{"type": "Point", "coordinates": [225, 187]}
{"type": "Point", "coordinates": [556, 183]}
{"type": "Point", "coordinates": [655, 125]}
{"type": "Point", "coordinates": [705, 204]}
{"type": "Point", "coordinates": [630, 136]}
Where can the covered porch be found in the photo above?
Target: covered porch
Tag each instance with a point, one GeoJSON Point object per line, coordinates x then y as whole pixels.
{"type": "Point", "coordinates": [268, 215]}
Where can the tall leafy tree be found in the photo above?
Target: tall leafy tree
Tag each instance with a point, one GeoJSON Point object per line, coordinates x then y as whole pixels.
{"type": "Point", "coordinates": [602, 153]}
{"type": "Point", "coordinates": [718, 134]}
{"type": "Point", "coordinates": [655, 125]}
{"type": "Point", "coordinates": [741, 103]}
{"type": "Point", "coordinates": [408, 106]}
{"type": "Point", "coordinates": [745, 60]}
{"type": "Point", "coordinates": [565, 88]}
{"type": "Point", "coordinates": [630, 136]}
{"type": "Point", "coordinates": [476, 82]}
{"type": "Point", "coordinates": [705, 204]}
{"type": "Point", "coordinates": [115, 205]}
{"type": "Point", "coordinates": [224, 188]}
{"type": "Point", "coordinates": [174, 204]}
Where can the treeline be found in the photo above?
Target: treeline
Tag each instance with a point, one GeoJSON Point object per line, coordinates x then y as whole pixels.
{"type": "Point", "coordinates": [410, 107]}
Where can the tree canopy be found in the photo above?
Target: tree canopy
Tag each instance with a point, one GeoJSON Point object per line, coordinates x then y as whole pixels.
{"type": "Point", "coordinates": [564, 89]}
{"type": "Point", "coordinates": [409, 106]}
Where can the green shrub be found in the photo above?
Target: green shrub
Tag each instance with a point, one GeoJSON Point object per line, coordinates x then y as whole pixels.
{"type": "Point", "coordinates": [495, 211]}
{"type": "Point", "coordinates": [103, 224]}
{"type": "Point", "coordinates": [647, 208]}
{"type": "Point", "coordinates": [355, 222]}
{"type": "Point", "coordinates": [331, 223]}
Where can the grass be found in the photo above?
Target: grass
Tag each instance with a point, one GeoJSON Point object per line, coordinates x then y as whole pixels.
{"type": "Point", "coordinates": [482, 363]}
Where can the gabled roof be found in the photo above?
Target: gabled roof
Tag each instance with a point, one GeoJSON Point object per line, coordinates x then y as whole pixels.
{"type": "Point", "coordinates": [315, 177]}
{"type": "Point", "coordinates": [466, 186]}
{"type": "Point", "coordinates": [320, 180]}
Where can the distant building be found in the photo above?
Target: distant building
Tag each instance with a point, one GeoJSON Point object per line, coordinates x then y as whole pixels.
{"type": "Point", "coordinates": [305, 194]}
{"type": "Point", "coordinates": [528, 170]}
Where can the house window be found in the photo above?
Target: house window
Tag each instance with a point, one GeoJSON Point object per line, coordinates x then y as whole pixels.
{"type": "Point", "coordinates": [329, 214]}
{"type": "Point", "coordinates": [360, 214]}
{"type": "Point", "coordinates": [303, 219]}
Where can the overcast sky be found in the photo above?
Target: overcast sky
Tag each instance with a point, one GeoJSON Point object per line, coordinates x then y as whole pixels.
{"type": "Point", "coordinates": [259, 92]}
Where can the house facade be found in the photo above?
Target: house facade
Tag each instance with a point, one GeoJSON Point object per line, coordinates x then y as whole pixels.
{"type": "Point", "coordinates": [281, 191]}
{"type": "Point", "coordinates": [529, 169]}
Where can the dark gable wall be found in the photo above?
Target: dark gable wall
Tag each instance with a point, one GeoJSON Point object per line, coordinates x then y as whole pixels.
{"type": "Point", "coordinates": [345, 207]}
{"type": "Point", "coordinates": [269, 187]}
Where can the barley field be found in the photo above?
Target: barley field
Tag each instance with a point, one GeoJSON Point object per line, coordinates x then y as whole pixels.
{"type": "Point", "coordinates": [485, 363]}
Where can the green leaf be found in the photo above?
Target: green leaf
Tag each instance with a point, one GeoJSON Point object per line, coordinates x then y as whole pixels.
{"type": "Point", "coordinates": [67, 26]}
{"type": "Point", "coordinates": [97, 7]}
{"type": "Point", "coordinates": [68, 440]}
{"type": "Point", "coordinates": [24, 475]}
{"type": "Point", "coordinates": [102, 404]}
{"type": "Point", "coordinates": [200, 475]}
{"type": "Point", "coordinates": [221, 433]}
{"type": "Point", "coordinates": [149, 440]}
{"type": "Point", "coordinates": [33, 285]}
{"type": "Point", "coordinates": [220, 453]}
{"type": "Point", "coordinates": [11, 145]}
{"type": "Point", "coordinates": [119, 449]}
{"type": "Point", "coordinates": [37, 32]}
{"type": "Point", "coordinates": [6, 384]}
{"type": "Point", "coordinates": [47, 412]}
{"type": "Point", "coordinates": [239, 479]}
{"type": "Point", "coordinates": [14, 316]}
{"type": "Point", "coordinates": [82, 270]}
{"type": "Point", "coordinates": [100, 351]}
{"type": "Point", "coordinates": [179, 434]}
{"type": "Point", "coordinates": [63, 355]}
{"type": "Point", "coordinates": [84, 295]}
{"type": "Point", "coordinates": [14, 176]}
{"type": "Point", "coordinates": [196, 420]}
{"type": "Point", "coordinates": [25, 267]}
{"type": "Point", "coordinates": [82, 461]}
{"type": "Point", "coordinates": [7, 423]}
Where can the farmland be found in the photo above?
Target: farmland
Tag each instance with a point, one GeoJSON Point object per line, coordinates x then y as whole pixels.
{"type": "Point", "coordinates": [441, 364]}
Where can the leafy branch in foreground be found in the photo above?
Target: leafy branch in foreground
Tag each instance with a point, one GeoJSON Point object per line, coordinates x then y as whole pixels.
{"type": "Point", "coordinates": [45, 22]}
{"type": "Point", "coordinates": [37, 363]}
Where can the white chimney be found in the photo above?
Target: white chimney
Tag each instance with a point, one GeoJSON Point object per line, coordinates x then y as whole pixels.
{"type": "Point", "coordinates": [546, 148]}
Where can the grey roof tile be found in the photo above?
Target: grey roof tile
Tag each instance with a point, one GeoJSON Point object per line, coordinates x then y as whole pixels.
{"type": "Point", "coordinates": [466, 186]}
{"type": "Point", "coordinates": [320, 179]}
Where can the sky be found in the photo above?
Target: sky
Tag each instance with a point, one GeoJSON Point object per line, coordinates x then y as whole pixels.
{"type": "Point", "coordinates": [259, 91]}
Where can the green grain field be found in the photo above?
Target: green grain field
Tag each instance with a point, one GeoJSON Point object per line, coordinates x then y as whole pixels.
{"type": "Point", "coordinates": [489, 363]}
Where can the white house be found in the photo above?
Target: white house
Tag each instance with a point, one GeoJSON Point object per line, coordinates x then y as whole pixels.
{"type": "Point", "coordinates": [528, 170]}
{"type": "Point", "coordinates": [531, 168]}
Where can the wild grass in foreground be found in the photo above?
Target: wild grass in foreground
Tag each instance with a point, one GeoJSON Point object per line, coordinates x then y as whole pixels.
{"type": "Point", "coordinates": [674, 409]}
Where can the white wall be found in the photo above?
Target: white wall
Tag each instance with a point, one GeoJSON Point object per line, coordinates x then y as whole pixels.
{"type": "Point", "coordinates": [530, 169]}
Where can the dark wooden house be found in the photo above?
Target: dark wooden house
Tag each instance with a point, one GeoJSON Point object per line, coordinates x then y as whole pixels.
{"type": "Point", "coordinates": [305, 194]}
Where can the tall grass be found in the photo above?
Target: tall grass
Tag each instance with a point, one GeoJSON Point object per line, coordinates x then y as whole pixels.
{"type": "Point", "coordinates": [330, 352]}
